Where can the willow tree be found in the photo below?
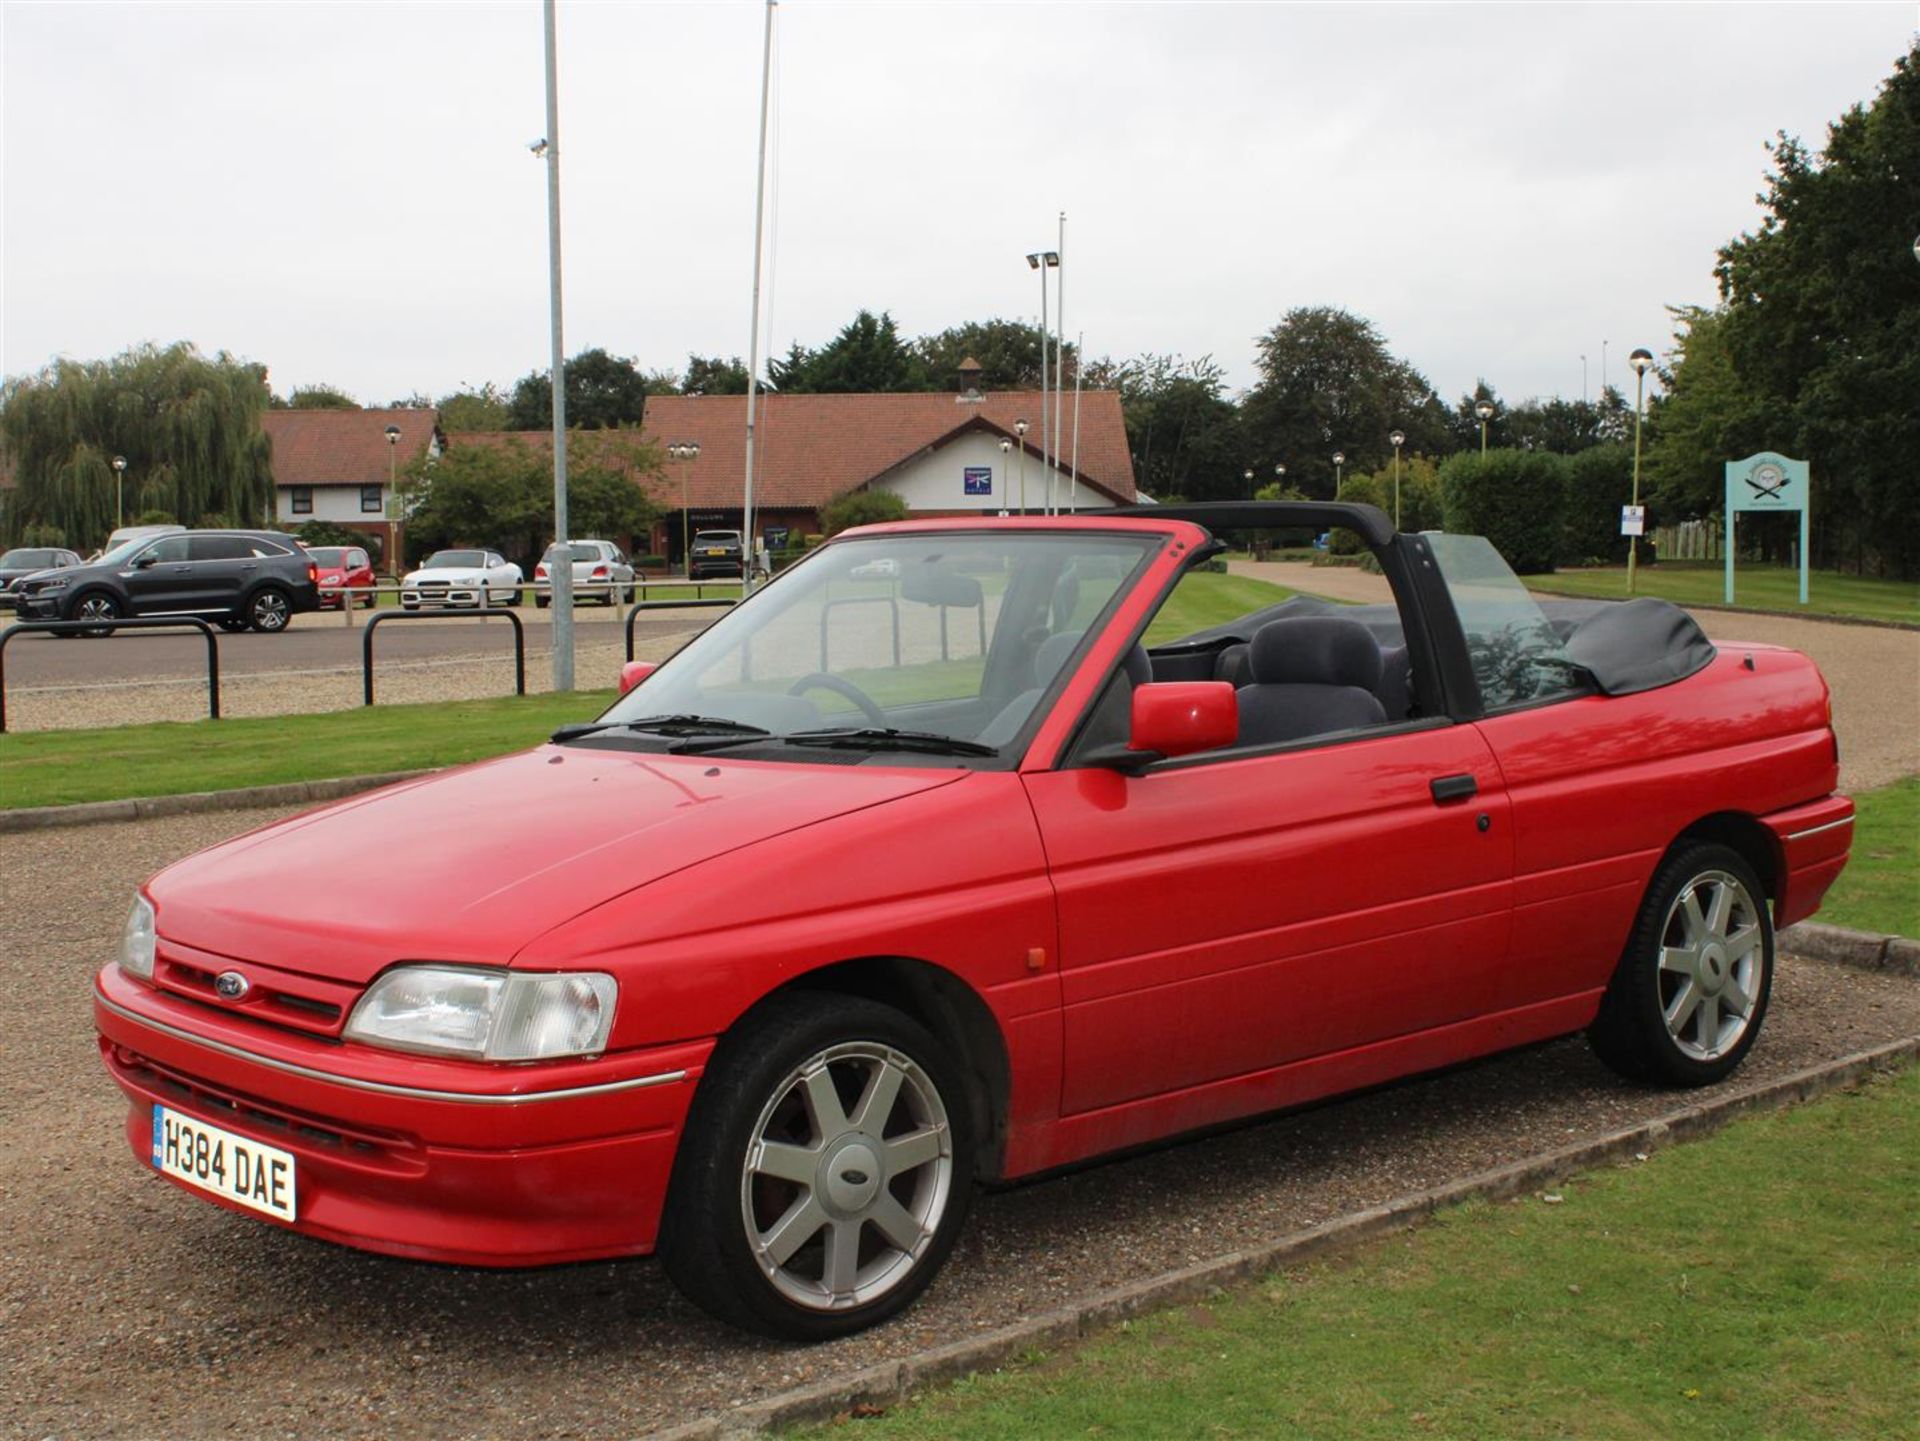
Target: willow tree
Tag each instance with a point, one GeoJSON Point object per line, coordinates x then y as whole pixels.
{"type": "Point", "coordinates": [187, 424]}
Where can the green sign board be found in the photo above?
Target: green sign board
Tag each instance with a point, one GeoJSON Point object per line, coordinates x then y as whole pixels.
{"type": "Point", "coordinates": [1768, 482]}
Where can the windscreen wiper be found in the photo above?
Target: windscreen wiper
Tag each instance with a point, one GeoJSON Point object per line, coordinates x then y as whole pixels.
{"type": "Point", "coordinates": [665, 725]}
{"type": "Point", "coordinates": [874, 738]}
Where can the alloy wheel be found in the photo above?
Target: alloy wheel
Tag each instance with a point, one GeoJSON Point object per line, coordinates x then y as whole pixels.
{"type": "Point", "coordinates": [847, 1175]}
{"type": "Point", "coordinates": [1712, 964]}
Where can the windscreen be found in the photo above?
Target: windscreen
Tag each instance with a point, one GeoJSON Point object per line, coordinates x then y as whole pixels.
{"type": "Point", "coordinates": [1517, 654]}
{"type": "Point", "coordinates": [327, 555]}
{"type": "Point", "coordinates": [958, 634]}
{"type": "Point", "coordinates": [444, 559]}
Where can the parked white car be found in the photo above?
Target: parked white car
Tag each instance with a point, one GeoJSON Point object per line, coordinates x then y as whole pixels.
{"type": "Point", "coordinates": [462, 579]}
{"type": "Point", "coordinates": [601, 571]}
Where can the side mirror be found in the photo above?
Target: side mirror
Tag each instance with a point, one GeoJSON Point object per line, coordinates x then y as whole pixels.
{"type": "Point", "coordinates": [635, 671]}
{"type": "Point", "coordinates": [143, 562]}
{"type": "Point", "coordinates": [1179, 718]}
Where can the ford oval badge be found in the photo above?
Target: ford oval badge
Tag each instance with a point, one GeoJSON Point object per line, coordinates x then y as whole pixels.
{"type": "Point", "coordinates": [231, 985]}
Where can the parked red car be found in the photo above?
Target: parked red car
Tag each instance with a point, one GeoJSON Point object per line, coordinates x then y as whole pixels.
{"type": "Point", "coordinates": [907, 876]}
{"type": "Point", "coordinates": [343, 570]}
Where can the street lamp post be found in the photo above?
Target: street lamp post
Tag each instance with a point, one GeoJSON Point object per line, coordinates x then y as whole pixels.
{"type": "Point", "coordinates": [393, 455]}
{"type": "Point", "coordinates": [1399, 438]}
{"type": "Point", "coordinates": [119, 491]}
{"type": "Point", "coordinates": [1043, 261]}
{"type": "Point", "coordinates": [1641, 361]}
{"type": "Point", "coordinates": [1279, 476]}
{"type": "Point", "coordinates": [684, 451]}
{"type": "Point", "coordinates": [1485, 411]}
{"type": "Point", "coordinates": [1006, 450]}
{"type": "Point", "coordinates": [1339, 460]}
{"type": "Point", "coordinates": [1020, 429]}
{"type": "Point", "coordinates": [1247, 475]}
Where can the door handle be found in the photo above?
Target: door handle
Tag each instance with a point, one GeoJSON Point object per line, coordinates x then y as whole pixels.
{"type": "Point", "coordinates": [1452, 788]}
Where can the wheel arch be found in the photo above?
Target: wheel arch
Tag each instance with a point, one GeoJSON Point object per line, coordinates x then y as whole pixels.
{"type": "Point", "coordinates": [948, 1007]}
{"type": "Point", "coordinates": [1746, 836]}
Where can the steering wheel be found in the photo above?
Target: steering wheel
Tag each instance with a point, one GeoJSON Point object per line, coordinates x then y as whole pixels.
{"type": "Point", "coordinates": [820, 680]}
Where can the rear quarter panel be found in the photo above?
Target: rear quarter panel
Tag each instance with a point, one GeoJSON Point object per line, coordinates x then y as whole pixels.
{"type": "Point", "coordinates": [1602, 786]}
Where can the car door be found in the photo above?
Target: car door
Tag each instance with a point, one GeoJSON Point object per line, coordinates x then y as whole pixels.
{"type": "Point", "coordinates": [160, 578]}
{"type": "Point", "coordinates": [1231, 915]}
{"type": "Point", "coordinates": [221, 567]}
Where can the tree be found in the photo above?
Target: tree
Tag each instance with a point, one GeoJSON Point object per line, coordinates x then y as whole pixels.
{"type": "Point", "coordinates": [500, 493]}
{"type": "Point", "coordinates": [1008, 352]}
{"type": "Point", "coordinates": [1328, 383]}
{"type": "Point", "coordinates": [1705, 416]}
{"type": "Point", "coordinates": [326, 532]}
{"type": "Point", "coordinates": [482, 409]}
{"type": "Point", "coordinates": [1182, 431]}
{"type": "Point", "coordinates": [1820, 329]}
{"type": "Point", "coordinates": [861, 507]}
{"type": "Point", "coordinates": [710, 375]}
{"type": "Point", "coordinates": [187, 424]}
{"type": "Point", "coordinates": [867, 356]}
{"type": "Point", "coordinates": [316, 397]}
{"type": "Point", "coordinates": [603, 391]}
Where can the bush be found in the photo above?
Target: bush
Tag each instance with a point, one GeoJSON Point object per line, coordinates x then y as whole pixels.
{"type": "Point", "coordinates": [650, 563]}
{"type": "Point", "coordinates": [1358, 490]}
{"type": "Point", "coordinates": [325, 532]}
{"type": "Point", "coordinates": [37, 536]}
{"type": "Point", "coordinates": [1515, 498]}
{"type": "Point", "coordinates": [1599, 482]}
{"type": "Point", "coordinates": [160, 517]}
{"type": "Point", "coordinates": [862, 507]}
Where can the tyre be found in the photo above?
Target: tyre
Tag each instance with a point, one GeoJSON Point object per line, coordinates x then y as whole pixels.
{"type": "Point", "coordinates": [627, 595]}
{"type": "Point", "coordinates": [96, 605]}
{"type": "Point", "coordinates": [1690, 994]}
{"type": "Point", "coordinates": [232, 623]}
{"type": "Point", "coordinates": [541, 602]}
{"type": "Point", "coordinates": [514, 597]}
{"type": "Point", "coordinates": [824, 1172]}
{"type": "Point", "coordinates": [269, 610]}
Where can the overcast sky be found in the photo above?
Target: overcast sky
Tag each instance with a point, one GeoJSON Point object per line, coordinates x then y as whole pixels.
{"type": "Point", "coordinates": [343, 191]}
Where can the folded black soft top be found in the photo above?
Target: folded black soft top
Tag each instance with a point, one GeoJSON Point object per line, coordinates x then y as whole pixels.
{"type": "Point", "coordinates": [1628, 646]}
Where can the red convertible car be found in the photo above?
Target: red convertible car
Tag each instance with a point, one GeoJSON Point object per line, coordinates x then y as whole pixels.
{"type": "Point", "coordinates": [947, 858]}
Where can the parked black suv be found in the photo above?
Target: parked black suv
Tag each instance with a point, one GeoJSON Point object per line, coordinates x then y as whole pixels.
{"type": "Point", "coordinates": [714, 552]}
{"type": "Point", "coordinates": [240, 578]}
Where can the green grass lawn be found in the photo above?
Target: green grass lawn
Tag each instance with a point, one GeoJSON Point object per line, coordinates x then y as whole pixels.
{"type": "Point", "coordinates": [1206, 598]}
{"type": "Point", "coordinates": [1703, 582]}
{"type": "Point", "coordinates": [1880, 888]}
{"type": "Point", "coordinates": [46, 768]}
{"type": "Point", "coordinates": [1762, 1282]}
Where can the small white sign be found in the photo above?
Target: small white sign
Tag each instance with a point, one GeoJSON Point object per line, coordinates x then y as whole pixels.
{"type": "Point", "coordinates": [1633, 520]}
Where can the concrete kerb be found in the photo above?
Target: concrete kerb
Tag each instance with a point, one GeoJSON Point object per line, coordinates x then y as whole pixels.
{"type": "Point", "coordinates": [1864, 950]}
{"type": "Point", "coordinates": [892, 1382]}
{"type": "Point", "coordinates": [140, 808]}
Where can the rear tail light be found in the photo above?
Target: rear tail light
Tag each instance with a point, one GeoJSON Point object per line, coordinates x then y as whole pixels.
{"type": "Point", "coordinates": [540, 572]}
{"type": "Point", "coordinates": [599, 573]}
{"type": "Point", "coordinates": [313, 571]}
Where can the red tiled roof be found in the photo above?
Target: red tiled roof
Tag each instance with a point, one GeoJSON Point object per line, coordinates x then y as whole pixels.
{"type": "Point", "coordinates": [343, 447]}
{"type": "Point", "coordinates": [808, 449]}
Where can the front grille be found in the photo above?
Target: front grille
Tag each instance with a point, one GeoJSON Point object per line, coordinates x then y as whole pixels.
{"type": "Point", "coordinates": [380, 1150]}
{"type": "Point", "coordinates": [281, 998]}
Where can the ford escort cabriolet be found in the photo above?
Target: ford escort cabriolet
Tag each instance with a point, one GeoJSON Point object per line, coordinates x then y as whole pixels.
{"type": "Point", "coordinates": [946, 858]}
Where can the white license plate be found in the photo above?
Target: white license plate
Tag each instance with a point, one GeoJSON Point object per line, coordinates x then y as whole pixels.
{"type": "Point", "coordinates": [256, 1176]}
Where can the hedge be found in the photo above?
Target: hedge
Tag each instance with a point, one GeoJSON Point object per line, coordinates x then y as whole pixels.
{"type": "Point", "coordinates": [1515, 498]}
{"type": "Point", "coordinates": [1599, 482]}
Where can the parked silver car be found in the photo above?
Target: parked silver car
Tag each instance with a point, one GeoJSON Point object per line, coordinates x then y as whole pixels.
{"type": "Point", "coordinates": [601, 571]}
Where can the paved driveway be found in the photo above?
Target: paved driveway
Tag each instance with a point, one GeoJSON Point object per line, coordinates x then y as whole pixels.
{"type": "Point", "coordinates": [1873, 671]}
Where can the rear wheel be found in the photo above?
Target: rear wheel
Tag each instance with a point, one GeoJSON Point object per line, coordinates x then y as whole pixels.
{"type": "Point", "coordinates": [96, 605]}
{"type": "Point", "coordinates": [269, 610]}
{"type": "Point", "coordinates": [1690, 994]}
{"type": "Point", "coordinates": [824, 1172]}
{"type": "Point", "coordinates": [234, 623]}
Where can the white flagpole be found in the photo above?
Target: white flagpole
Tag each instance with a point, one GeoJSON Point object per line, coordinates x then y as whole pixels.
{"type": "Point", "coordinates": [753, 342]}
{"type": "Point", "coordinates": [1073, 480]}
{"type": "Point", "coordinates": [1059, 353]}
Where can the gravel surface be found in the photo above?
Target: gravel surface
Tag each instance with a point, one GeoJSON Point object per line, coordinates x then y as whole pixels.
{"type": "Point", "coordinates": [129, 1308]}
{"type": "Point", "coordinates": [1873, 671]}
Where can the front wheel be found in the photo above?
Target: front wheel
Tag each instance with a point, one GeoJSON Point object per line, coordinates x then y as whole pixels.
{"type": "Point", "coordinates": [232, 624]}
{"type": "Point", "coordinates": [96, 605]}
{"type": "Point", "coordinates": [1687, 1001]}
{"type": "Point", "coordinates": [269, 610]}
{"type": "Point", "coordinates": [824, 1172]}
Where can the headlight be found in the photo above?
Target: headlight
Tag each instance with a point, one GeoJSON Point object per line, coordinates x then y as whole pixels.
{"type": "Point", "coordinates": [58, 582]}
{"type": "Point", "coordinates": [486, 1015]}
{"type": "Point", "coordinates": [332, 580]}
{"type": "Point", "coordinates": [137, 941]}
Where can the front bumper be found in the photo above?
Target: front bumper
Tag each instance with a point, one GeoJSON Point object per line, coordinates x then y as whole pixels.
{"type": "Point", "coordinates": [452, 598]}
{"type": "Point", "coordinates": [435, 1160]}
{"type": "Point", "coordinates": [40, 606]}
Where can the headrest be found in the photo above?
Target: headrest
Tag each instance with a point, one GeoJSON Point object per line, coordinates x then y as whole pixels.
{"type": "Point", "coordinates": [1315, 650]}
{"type": "Point", "coordinates": [1053, 654]}
{"type": "Point", "coordinates": [1138, 666]}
